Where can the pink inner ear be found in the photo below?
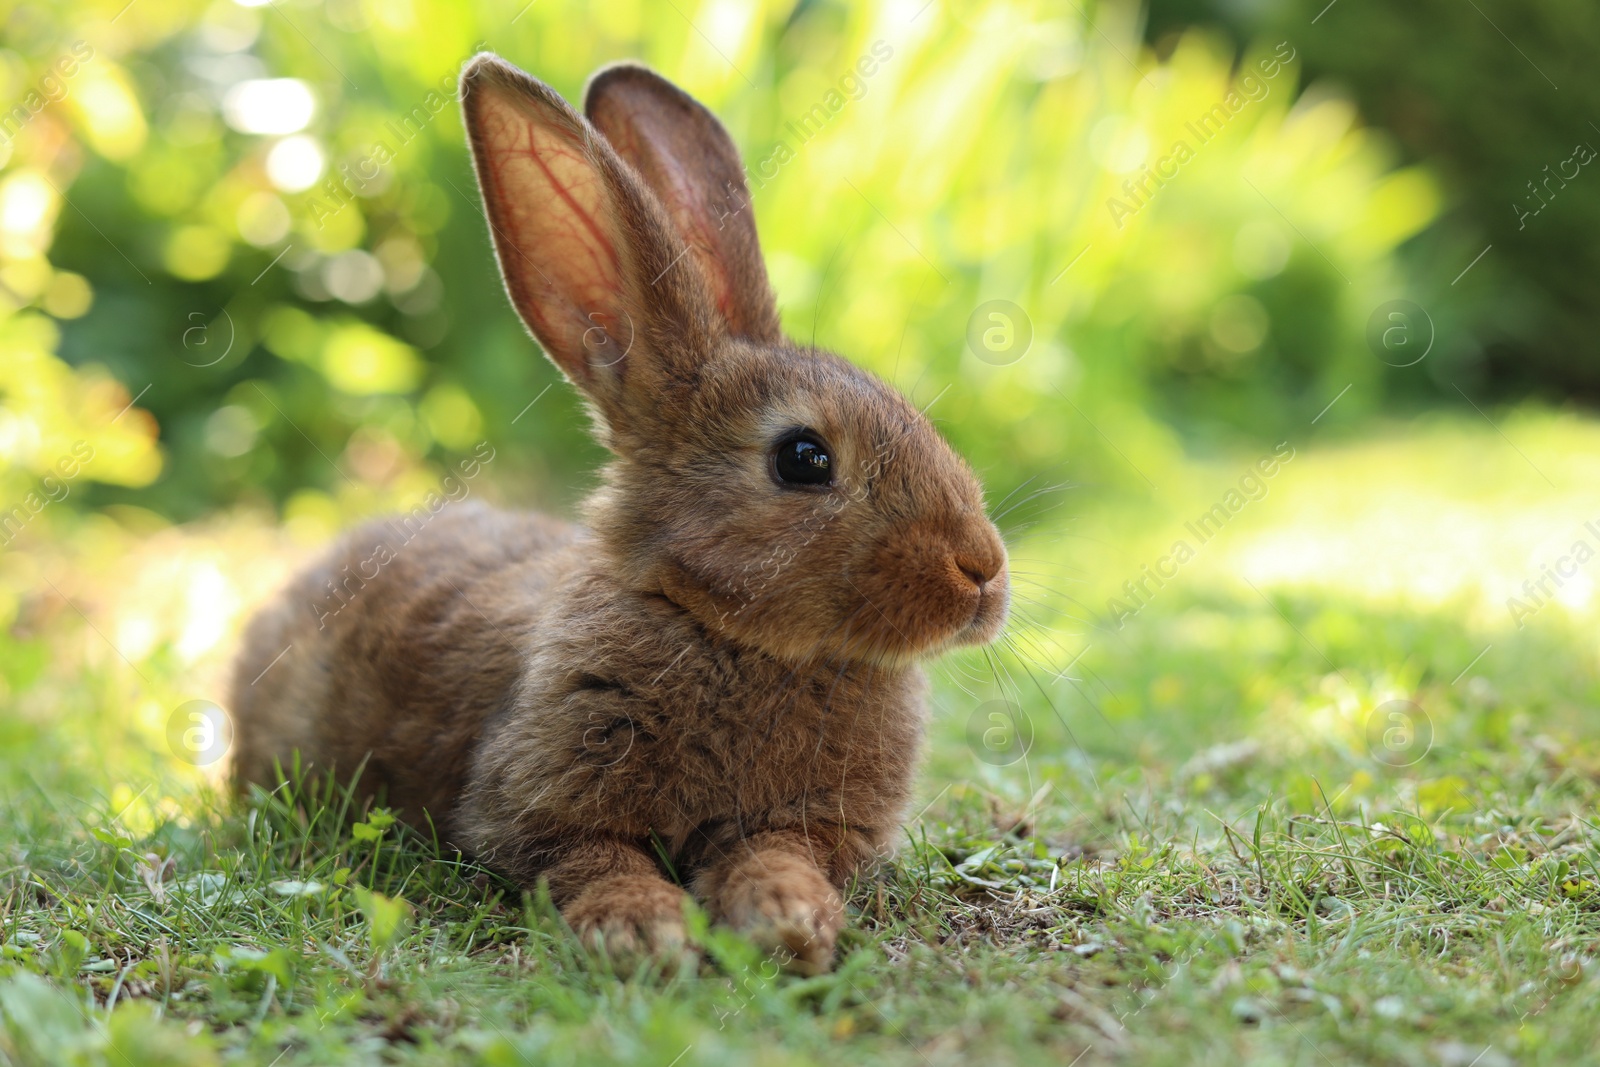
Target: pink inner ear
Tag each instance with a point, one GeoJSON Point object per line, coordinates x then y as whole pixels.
{"type": "Point", "coordinates": [691, 217]}
{"type": "Point", "coordinates": [698, 226]}
{"type": "Point", "coordinates": [548, 204]}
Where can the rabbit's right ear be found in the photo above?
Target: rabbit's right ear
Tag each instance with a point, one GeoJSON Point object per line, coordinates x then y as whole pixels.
{"type": "Point", "coordinates": [589, 260]}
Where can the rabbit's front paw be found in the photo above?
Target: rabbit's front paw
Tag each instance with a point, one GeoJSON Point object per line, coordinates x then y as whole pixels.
{"type": "Point", "coordinates": [630, 916]}
{"type": "Point", "coordinates": [783, 902]}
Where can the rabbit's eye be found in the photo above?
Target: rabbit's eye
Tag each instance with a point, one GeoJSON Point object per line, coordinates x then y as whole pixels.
{"type": "Point", "coordinates": [802, 460]}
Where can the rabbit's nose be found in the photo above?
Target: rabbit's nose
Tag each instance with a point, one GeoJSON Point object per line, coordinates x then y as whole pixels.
{"type": "Point", "coordinates": [979, 574]}
{"type": "Point", "coordinates": [978, 553]}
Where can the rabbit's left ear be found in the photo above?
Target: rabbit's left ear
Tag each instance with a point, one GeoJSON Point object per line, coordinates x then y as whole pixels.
{"type": "Point", "coordinates": [687, 158]}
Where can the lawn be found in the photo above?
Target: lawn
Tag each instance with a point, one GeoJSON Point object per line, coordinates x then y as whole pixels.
{"type": "Point", "coordinates": [1312, 796]}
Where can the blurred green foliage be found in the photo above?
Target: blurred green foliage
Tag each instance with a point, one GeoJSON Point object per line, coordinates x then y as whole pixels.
{"type": "Point", "coordinates": [261, 222]}
{"type": "Point", "coordinates": [1495, 94]}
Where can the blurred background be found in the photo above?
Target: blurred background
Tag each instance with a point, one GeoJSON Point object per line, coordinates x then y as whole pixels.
{"type": "Point", "coordinates": [1125, 252]}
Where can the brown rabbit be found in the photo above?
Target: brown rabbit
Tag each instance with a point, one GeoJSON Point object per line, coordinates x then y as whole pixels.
{"type": "Point", "coordinates": [721, 664]}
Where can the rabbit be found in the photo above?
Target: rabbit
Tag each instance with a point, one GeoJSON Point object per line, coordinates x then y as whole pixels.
{"type": "Point", "coordinates": [714, 680]}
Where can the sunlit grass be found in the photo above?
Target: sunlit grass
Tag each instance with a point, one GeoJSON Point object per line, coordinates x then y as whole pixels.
{"type": "Point", "coordinates": [1206, 855]}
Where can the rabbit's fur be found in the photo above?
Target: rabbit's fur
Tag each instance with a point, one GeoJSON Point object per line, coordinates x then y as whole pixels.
{"type": "Point", "coordinates": [718, 665]}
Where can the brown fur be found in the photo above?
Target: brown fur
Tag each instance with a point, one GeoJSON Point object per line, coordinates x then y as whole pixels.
{"type": "Point", "coordinates": [717, 664]}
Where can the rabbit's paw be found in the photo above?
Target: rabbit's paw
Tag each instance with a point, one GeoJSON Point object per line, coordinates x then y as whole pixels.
{"type": "Point", "coordinates": [630, 917]}
{"type": "Point", "coordinates": [786, 905]}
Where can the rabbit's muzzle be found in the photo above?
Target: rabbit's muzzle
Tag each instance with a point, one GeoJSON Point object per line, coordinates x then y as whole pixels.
{"type": "Point", "coordinates": [935, 586]}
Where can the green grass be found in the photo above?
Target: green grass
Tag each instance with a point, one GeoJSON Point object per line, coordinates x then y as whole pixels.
{"type": "Point", "coordinates": [1207, 856]}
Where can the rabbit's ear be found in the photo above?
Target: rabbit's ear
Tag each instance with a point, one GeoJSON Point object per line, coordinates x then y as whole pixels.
{"type": "Point", "coordinates": [589, 258]}
{"type": "Point", "coordinates": [687, 158]}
